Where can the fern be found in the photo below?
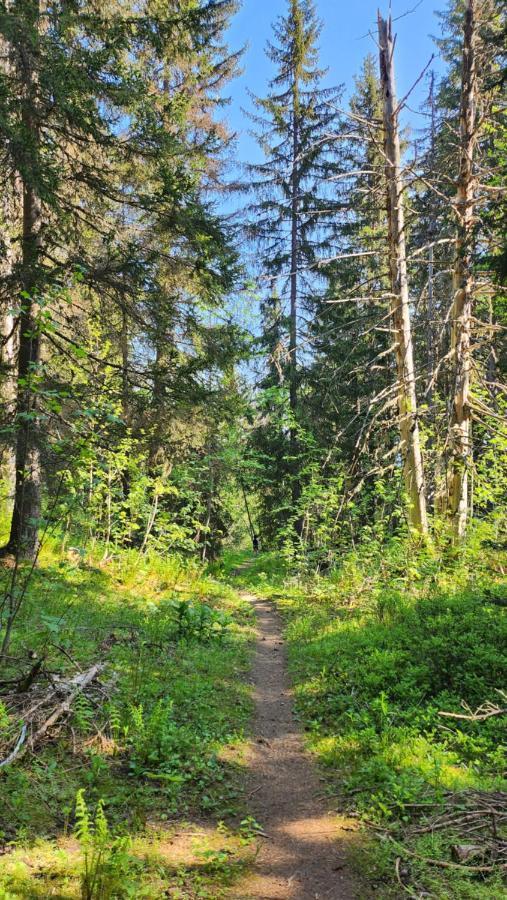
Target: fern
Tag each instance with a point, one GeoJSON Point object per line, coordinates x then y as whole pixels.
{"type": "Point", "coordinates": [82, 828]}
{"type": "Point", "coordinates": [115, 723]}
{"type": "Point", "coordinates": [101, 826]}
{"type": "Point", "coordinates": [83, 714]}
{"type": "Point", "coordinates": [105, 860]}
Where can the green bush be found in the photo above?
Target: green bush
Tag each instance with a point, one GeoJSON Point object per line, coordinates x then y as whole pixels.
{"type": "Point", "coordinates": [378, 649]}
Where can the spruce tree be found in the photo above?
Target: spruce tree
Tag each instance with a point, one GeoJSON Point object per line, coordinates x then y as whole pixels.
{"type": "Point", "coordinates": [82, 117]}
{"type": "Point", "coordinates": [349, 375]}
{"type": "Point", "coordinates": [292, 218]}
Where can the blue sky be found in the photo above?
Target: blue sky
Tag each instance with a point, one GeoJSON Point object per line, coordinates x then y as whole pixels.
{"type": "Point", "coordinates": [344, 43]}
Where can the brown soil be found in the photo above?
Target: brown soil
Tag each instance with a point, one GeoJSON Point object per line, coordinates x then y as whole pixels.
{"type": "Point", "coordinates": [303, 855]}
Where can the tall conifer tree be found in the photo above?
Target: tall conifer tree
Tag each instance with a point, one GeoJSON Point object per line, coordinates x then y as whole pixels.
{"type": "Point", "coordinates": [349, 341]}
{"type": "Point", "coordinates": [84, 115]}
{"type": "Point", "coordinates": [292, 218]}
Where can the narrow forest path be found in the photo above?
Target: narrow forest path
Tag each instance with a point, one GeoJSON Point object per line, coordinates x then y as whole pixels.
{"type": "Point", "coordinates": [303, 855]}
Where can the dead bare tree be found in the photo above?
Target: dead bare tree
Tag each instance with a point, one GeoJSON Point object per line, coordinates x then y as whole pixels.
{"type": "Point", "coordinates": [9, 214]}
{"type": "Point", "coordinates": [460, 439]}
{"type": "Point", "coordinates": [400, 308]}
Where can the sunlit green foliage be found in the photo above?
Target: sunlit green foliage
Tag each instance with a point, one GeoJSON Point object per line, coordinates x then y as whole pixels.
{"type": "Point", "coordinates": [162, 744]}
{"type": "Point", "coordinates": [378, 648]}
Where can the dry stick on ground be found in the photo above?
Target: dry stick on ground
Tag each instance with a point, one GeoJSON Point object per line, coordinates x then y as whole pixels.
{"type": "Point", "coordinates": [444, 864]}
{"type": "Point", "coordinates": [485, 711]}
{"type": "Point", "coordinates": [17, 748]}
{"type": "Point", "coordinates": [73, 687]}
{"type": "Point", "coordinates": [458, 820]}
{"type": "Point", "coordinates": [405, 887]}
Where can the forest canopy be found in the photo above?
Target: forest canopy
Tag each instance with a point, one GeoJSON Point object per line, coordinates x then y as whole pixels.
{"type": "Point", "coordinates": [137, 405]}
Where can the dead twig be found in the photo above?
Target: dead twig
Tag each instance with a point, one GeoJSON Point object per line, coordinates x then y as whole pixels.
{"type": "Point", "coordinates": [79, 682]}
{"type": "Point", "coordinates": [39, 729]}
{"type": "Point", "coordinates": [17, 749]}
{"type": "Point", "coordinates": [485, 711]}
{"type": "Point", "coordinates": [445, 864]}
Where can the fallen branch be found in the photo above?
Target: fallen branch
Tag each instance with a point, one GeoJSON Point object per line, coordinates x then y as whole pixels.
{"type": "Point", "coordinates": [71, 688]}
{"type": "Point", "coordinates": [79, 682]}
{"type": "Point", "coordinates": [485, 711]}
{"type": "Point", "coordinates": [449, 822]}
{"type": "Point", "coordinates": [19, 744]}
{"type": "Point", "coordinates": [444, 864]}
{"type": "Point", "coordinates": [408, 890]}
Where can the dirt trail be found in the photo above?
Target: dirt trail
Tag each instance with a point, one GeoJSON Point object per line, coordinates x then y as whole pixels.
{"type": "Point", "coordinates": [303, 856]}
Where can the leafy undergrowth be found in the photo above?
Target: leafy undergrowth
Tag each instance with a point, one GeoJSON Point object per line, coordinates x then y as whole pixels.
{"type": "Point", "coordinates": [158, 741]}
{"type": "Point", "coordinates": [377, 650]}
{"type": "Point", "coordinates": [264, 573]}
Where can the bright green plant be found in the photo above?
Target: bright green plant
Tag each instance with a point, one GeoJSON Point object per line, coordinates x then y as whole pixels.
{"type": "Point", "coordinates": [105, 859]}
{"type": "Point", "coordinates": [198, 621]}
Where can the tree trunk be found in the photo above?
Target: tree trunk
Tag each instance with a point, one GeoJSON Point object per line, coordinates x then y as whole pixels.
{"type": "Point", "coordinates": [8, 346]}
{"type": "Point", "coordinates": [125, 396]}
{"type": "Point", "coordinates": [460, 442]}
{"type": "Point", "coordinates": [435, 477]}
{"type": "Point", "coordinates": [23, 539]}
{"type": "Point", "coordinates": [431, 309]}
{"type": "Point", "coordinates": [293, 339]}
{"type": "Point", "coordinates": [9, 218]}
{"type": "Point", "coordinates": [400, 311]}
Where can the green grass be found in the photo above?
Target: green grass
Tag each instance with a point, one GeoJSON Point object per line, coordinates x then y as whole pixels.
{"type": "Point", "coordinates": [161, 745]}
{"type": "Point", "coordinates": [264, 572]}
{"type": "Point", "coordinates": [376, 650]}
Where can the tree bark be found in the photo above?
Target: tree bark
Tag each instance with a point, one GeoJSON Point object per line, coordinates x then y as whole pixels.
{"type": "Point", "coordinates": [125, 397]}
{"type": "Point", "coordinates": [8, 340]}
{"type": "Point", "coordinates": [460, 438]}
{"type": "Point", "coordinates": [431, 309]}
{"type": "Point", "coordinates": [23, 538]}
{"type": "Point", "coordinates": [400, 310]}
{"type": "Point", "coordinates": [9, 218]}
{"type": "Point", "coordinates": [293, 326]}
